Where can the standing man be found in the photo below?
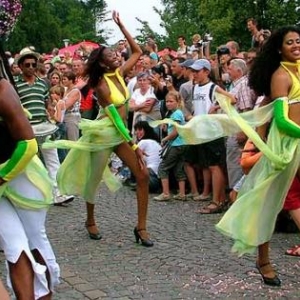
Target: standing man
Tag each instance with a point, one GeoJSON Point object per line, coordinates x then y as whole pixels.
{"type": "Point", "coordinates": [34, 95]}
{"type": "Point", "coordinates": [245, 100]}
{"type": "Point", "coordinates": [186, 89]}
{"type": "Point", "coordinates": [209, 156]}
{"type": "Point", "coordinates": [257, 36]}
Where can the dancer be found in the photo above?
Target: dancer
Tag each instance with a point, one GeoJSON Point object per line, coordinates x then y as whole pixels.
{"type": "Point", "coordinates": [275, 73]}
{"type": "Point", "coordinates": [250, 221]}
{"type": "Point", "coordinates": [3, 292]}
{"type": "Point", "coordinates": [25, 195]}
{"type": "Point", "coordinates": [105, 135]}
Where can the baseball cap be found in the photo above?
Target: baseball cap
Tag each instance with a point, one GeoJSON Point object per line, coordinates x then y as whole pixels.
{"type": "Point", "coordinates": [200, 64]}
{"type": "Point", "coordinates": [187, 63]}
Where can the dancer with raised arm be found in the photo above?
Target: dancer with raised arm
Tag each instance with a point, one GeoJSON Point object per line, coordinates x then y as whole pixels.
{"type": "Point", "coordinates": [87, 162]}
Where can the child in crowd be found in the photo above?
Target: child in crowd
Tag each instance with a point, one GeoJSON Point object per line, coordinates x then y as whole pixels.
{"type": "Point", "coordinates": [56, 111]}
{"type": "Point", "coordinates": [173, 158]}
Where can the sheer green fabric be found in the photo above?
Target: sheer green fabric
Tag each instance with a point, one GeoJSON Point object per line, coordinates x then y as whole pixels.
{"type": "Point", "coordinates": [251, 219]}
{"type": "Point", "coordinates": [86, 163]}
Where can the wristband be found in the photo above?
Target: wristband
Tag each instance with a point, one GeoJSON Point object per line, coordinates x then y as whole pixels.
{"type": "Point", "coordinates": [283, 122]}
{"type": "Point", "coordinates": [114, 116]}
{"type": "Point", "coordinates": [134, 147]}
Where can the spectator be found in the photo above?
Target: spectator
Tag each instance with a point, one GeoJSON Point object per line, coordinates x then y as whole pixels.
{"type": "Point", "coordinates": [143, 101]}
{"type": "Point", "coordinates": [234, 49]}
{"type": "Point", "coordinates": [257, 36]}
{"type": "Point", "coordinates": [72, 100]}
{"type": "Point", "coordinates": [209, 156]}
{"type": "Point", "coordinates": [245, 101]}
{"type": "Point", "coordinates": [186, 89]}
{"type": "Point", "coordinates": [174, 156]}
{"type": "Point", "coordinates": [182, 50]}
{"type": "Point", "coordinates": [148, 143]}
{"type": "Point", "coordinates": [55, 78]}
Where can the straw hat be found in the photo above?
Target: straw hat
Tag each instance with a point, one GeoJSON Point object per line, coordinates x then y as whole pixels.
{"type": "Point", "coordinates": [27, 52]}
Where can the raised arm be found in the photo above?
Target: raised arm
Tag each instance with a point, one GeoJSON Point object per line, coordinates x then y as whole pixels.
{"type": "Point", "coordinates": [135, 48]}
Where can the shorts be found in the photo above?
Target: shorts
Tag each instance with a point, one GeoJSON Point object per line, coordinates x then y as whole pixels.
{"type": "Point", "coordinates": [292, 200]}
{"type": "Point", "coordinates": [208, 154]}
{"type": "Point", "coordinates": [174, 160]}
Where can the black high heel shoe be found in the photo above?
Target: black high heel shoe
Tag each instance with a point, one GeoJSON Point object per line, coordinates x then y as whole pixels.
{"type": "Point", "coordinates": [146, 243]}
{"type": "Point", "coordinates": [265, 268]}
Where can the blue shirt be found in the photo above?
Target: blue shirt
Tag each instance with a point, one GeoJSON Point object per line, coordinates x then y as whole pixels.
{"type": "Point", "coordinates": [178, 117]}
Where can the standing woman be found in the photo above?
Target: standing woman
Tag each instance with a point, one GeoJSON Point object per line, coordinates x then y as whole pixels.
{"type": "Point", "coordinates": [251, 219]}
{"type": "Point", "coordinates": [72, 100]}
{"type": "Point", "coordinates": [105, 135]}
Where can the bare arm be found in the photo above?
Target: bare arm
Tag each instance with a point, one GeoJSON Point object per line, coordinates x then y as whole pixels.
{"type": "Point", "coordinates": [12, 113]}
{"type": "Point", "coordinates": [72, 98]}
{"type": "Point", "coordinates": [223, 92]}
{"type": "Point", "coordinates": [135, 48]}
{"type": "Point", "coordinates": [171, 136]}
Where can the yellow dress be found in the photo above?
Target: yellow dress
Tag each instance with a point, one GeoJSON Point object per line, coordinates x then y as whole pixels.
{"type": "Point", "coordinates": [87, 162]}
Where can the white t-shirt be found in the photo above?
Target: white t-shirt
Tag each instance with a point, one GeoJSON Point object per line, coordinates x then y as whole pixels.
{"type": "Point", "coordinates": [151, 148]}
{"type": "Point", "coordinates": [131, 85]}
{"type": "Point", "coordinates": [140, 98]}
{"type": "Point", "coordinates": [201, 98]}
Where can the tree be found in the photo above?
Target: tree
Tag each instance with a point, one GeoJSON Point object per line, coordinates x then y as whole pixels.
{"type": "Point", "coordinates": [44, 24]}
{"type": "Point", "coordinates": [224, 19]}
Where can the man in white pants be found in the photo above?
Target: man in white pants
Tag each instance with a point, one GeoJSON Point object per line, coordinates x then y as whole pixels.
{"type": "Point", "coordinates": [34, 95]}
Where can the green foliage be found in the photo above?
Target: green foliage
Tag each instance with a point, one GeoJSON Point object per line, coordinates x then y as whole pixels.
{"type": "Point", "coordinates": [44, 24]}
{"type": "Point", "coordinates": [224, 19]}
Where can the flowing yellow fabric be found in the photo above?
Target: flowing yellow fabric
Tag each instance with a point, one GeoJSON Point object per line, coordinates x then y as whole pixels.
{"type": "Point", "coordinates": [86, 163]}
{"type": "Point", "coordinates": [251, 219]}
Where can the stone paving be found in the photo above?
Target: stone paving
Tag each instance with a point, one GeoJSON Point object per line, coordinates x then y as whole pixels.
{"type": "Point", "coordinates": [190, 259]}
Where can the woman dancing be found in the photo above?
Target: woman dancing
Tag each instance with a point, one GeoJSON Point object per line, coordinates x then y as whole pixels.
{"type": "Point", "coordinates": [107, 134]}
{"type": "Point", "coordinates": [275, 74]}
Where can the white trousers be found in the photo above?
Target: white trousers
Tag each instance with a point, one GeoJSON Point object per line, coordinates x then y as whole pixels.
{"type": "Point", "coordinates": [23, 230]}
{"type": "Point", "coordinates": [51, 160]}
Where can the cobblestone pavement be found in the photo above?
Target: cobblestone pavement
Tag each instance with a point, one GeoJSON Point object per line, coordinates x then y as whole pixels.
{"type": "Point", "coordinates": [190, 259]}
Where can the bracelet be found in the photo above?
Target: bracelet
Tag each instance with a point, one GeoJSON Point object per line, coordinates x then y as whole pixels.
{"type": "Point", "coordinates": [134, 147]}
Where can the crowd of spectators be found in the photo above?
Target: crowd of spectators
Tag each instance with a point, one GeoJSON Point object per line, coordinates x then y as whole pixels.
{"type": "Point", "coordinates": [194, 73]}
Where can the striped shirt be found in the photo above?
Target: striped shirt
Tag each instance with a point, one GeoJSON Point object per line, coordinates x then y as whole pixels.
{"type": "Point", "coordinates": [33, 97]}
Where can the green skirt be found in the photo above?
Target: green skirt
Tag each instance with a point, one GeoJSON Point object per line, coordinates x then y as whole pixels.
{"type": "Point", "coordinates": [87, 162]}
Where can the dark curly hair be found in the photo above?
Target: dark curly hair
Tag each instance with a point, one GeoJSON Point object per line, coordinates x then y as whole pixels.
{"type": "Point", "coordinates": [93, 69]}
{"type": "Point", "coordinates": [149, 131]}
{"type": "Point", "coordinates": [268, 61]}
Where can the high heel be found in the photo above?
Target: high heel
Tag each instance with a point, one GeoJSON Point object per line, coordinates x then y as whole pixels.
{"type": "Point", "coordinates": [265, 268]}
{"type": "Point", "coordinates": [144, 242]}
{"type": "Point", "coordinates": [93, 236]}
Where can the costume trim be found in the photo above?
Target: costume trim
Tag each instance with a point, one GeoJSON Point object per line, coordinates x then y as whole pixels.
{"type": "Point", "coordinates": [283, 122]}
{"type": "Point", "coordinates": [23, 153]}
{"type": "Point", "coordinates": [114, 116]}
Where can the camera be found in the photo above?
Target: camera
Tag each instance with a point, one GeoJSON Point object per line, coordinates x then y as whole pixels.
{"type": "Point", "coordinates": [207, 38]}
{"type": "Point", "coordinates": [223, 50]}
{"type": "Point", "coordinates": [169, 78]}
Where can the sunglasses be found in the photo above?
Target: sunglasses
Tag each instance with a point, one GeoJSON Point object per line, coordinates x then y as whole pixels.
{"type": "Point", "coordinates": [27, 65]}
